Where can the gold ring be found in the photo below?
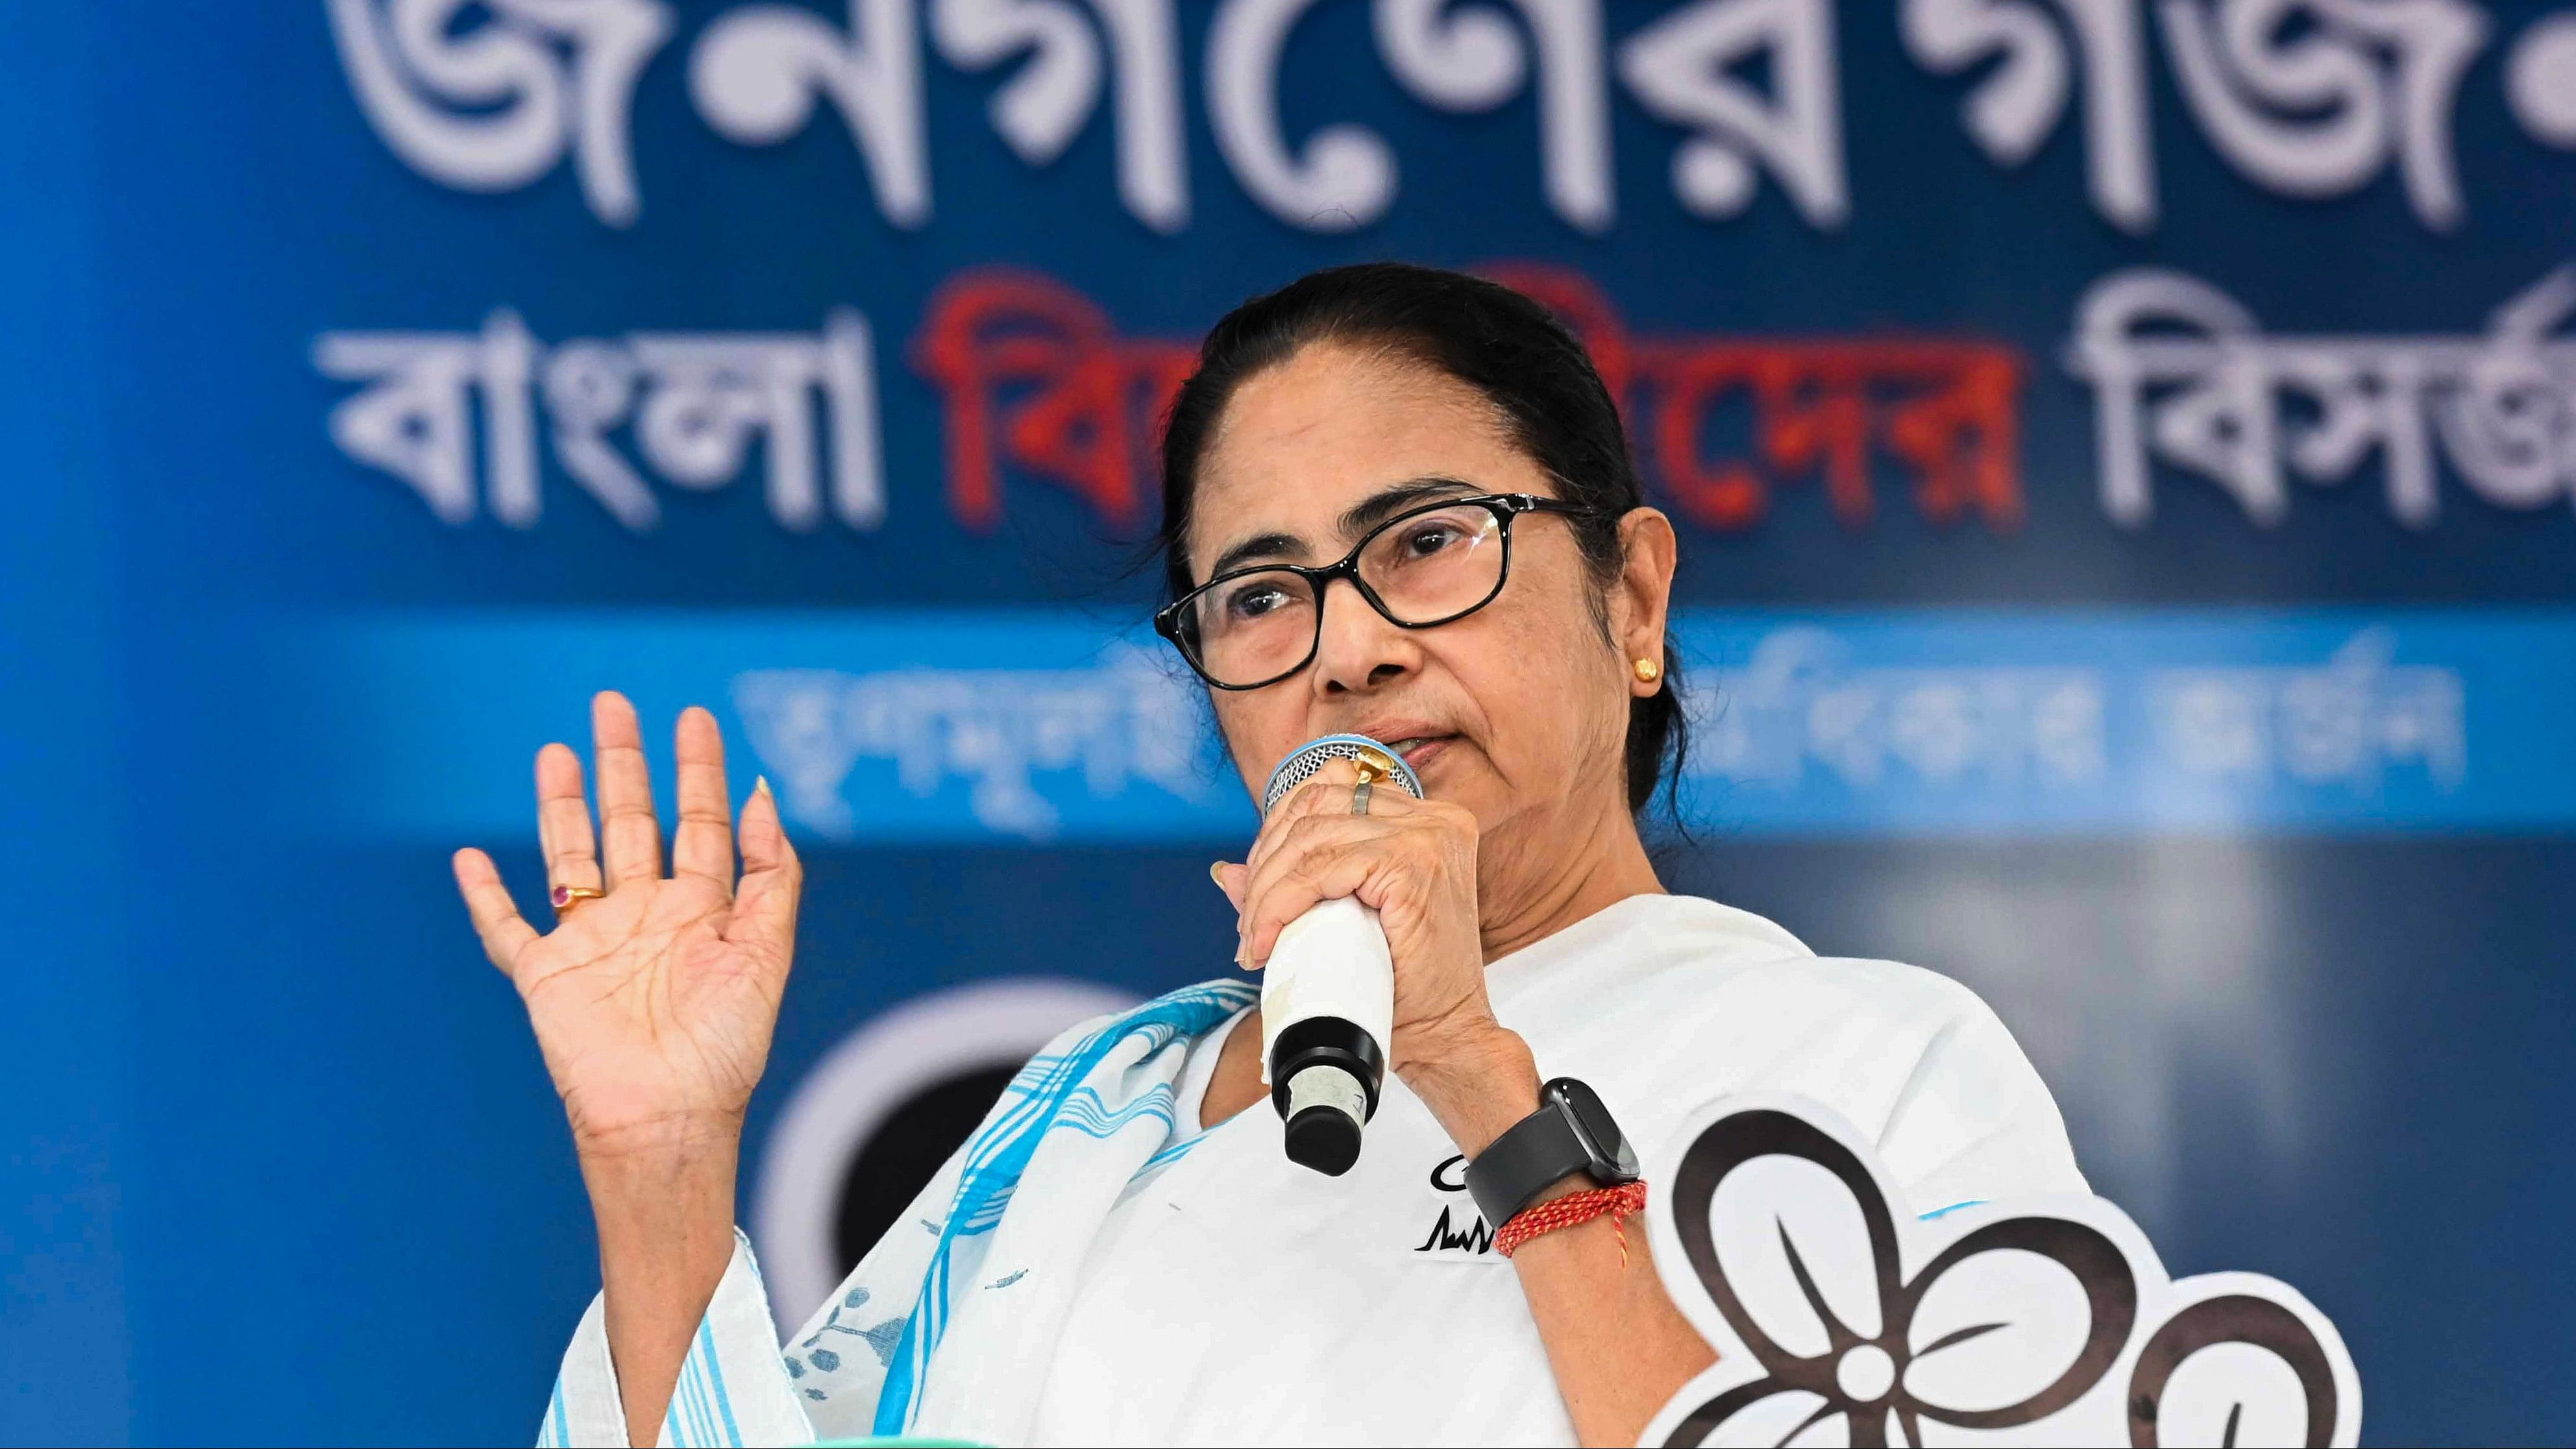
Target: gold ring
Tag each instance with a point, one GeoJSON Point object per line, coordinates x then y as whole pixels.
{"type": "Point", "coordinates": [1360, 797]}
{"type": "Point", "coordinates": [564, 897]}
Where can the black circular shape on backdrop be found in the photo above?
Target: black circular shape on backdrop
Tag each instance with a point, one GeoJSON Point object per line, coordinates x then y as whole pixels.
{"type": "Point", "coordinates": [899, 1158]}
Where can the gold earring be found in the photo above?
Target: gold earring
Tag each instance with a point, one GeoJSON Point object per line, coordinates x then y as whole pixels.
{"type": "Point", "coordinates": [1648, 671]}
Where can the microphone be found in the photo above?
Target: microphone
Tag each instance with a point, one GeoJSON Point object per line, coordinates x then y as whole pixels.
{"type": "Point", "coordinates": [1328, 994]}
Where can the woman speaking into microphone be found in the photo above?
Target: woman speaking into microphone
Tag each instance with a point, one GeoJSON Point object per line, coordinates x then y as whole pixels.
{"type": "Point", "coordinates": [1397, 503]}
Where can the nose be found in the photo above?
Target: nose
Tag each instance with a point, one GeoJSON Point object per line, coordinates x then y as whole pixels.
{"type": "Point", "coordinates": [1359, 648]}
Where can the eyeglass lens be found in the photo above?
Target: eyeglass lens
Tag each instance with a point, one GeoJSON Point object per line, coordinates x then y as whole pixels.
{"type": "Point", "coordinates": [1424, 567]}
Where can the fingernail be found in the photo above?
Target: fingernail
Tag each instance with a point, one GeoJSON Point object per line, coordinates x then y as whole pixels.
{"type": "Point", "coordinates": [760, 784]}
{"type": "Point", "coordinates": [1216, 870]}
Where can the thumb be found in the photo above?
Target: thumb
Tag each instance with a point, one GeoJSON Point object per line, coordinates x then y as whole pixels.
{"type": "Point", "coordinates": [1231, 879]}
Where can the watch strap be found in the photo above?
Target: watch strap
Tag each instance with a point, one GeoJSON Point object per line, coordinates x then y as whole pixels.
{"type": "Point", "coordinates": [1536, 1151]}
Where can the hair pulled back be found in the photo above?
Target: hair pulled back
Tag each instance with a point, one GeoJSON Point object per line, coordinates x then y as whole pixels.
{"type": "Point", "coordinates": [1497, 341]}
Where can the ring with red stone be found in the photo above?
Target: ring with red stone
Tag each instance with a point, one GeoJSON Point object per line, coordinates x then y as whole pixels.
{"type": "Point", "coordinates": [563, 897]}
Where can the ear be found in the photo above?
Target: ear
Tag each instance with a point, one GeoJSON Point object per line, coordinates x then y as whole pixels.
{"type": "Point", "coordinates": [1641, 600]}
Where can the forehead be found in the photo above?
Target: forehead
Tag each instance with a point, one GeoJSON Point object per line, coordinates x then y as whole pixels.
{"type": "Point", "coordinates": [1301, 442]}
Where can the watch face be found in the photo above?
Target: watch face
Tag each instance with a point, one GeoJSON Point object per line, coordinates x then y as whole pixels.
{"type": "Point", "coordinates": [1613, 1160]}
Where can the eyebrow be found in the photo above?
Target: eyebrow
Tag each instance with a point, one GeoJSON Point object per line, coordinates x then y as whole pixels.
{"type": "Point", "coordinates": [1359, 518]}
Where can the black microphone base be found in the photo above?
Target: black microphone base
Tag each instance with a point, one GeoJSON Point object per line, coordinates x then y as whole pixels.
{"type": "Point", "coordinates": [1325, 1139]}
{"type": "Point", "coordinates": [1324, 1078]}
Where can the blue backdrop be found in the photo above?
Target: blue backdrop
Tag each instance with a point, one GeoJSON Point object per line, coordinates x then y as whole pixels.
{"type": "Point", "coordinates": [2125, 456]}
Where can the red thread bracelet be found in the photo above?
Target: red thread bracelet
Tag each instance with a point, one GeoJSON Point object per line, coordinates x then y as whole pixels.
{"type": "Point", "coordinates": [1572, 1209]}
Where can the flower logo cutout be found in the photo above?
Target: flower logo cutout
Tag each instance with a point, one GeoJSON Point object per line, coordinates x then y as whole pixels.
{"type": "Point", "coordinates": [1840, 1318]}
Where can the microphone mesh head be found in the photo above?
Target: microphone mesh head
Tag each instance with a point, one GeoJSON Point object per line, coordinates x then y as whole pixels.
{"type": "Point", "coordinates": [1306, 759]}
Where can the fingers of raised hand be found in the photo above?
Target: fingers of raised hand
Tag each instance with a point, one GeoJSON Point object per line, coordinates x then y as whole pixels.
{"type": "Point", "coordinates": [563, 821]}
{"type": "Point", "coordinates": [626, 825]}
{"type": "Point", "coordinates": [764, 910]}
{"type": "Point", "coordinates": [702, 843]}
{"type": "Point", "coordinates": [496, 917]}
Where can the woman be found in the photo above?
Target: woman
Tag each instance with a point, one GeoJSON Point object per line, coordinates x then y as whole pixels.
{"type": "Point", "coordinates": [1122, 1253]}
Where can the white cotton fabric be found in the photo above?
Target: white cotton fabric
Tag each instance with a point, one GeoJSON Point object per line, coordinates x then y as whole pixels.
{"type": "Point", "coordinates": [1228, 1296]}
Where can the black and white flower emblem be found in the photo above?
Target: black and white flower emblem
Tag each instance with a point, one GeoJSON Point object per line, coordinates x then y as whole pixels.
{"type": "Point", "coordinates": [1842, 1319]}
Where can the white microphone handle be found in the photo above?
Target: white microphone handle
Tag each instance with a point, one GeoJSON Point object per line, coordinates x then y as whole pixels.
{"type": "Point", "coordinates": [1331, 961]}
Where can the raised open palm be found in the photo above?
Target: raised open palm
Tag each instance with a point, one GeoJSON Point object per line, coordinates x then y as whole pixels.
{"type": "Point", "coordinates": [654, 1003]}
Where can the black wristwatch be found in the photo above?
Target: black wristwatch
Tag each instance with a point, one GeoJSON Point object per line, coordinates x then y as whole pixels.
{"type": "Point", "coordinates": [1570, 1132]}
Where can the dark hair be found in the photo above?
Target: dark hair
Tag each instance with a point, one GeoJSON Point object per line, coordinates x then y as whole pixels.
{"type": "Point", "coordinates": [1487, 336]}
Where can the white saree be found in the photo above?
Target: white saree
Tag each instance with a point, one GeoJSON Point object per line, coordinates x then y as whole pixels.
{"type": "Point", "coordinates": [1092, 1267]}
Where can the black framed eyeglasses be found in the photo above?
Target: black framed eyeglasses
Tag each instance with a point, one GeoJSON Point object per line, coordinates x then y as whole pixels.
{"type": "Point", "coordinates": [1426, 566]}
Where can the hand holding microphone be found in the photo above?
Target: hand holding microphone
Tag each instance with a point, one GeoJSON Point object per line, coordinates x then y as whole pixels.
{"type": "Point", "coordinates": [1315, 875]}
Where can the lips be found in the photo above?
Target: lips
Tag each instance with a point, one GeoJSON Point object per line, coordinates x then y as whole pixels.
{"type": "Point", "coordinates": [1416, 738]}
{"type": "Point", "coordinates": [1417, 748]}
